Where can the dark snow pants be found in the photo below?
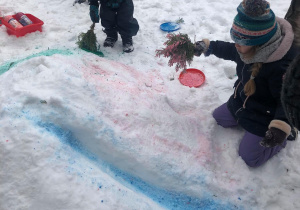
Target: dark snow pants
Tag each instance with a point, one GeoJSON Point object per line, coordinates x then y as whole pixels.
{"type": "Point", "coordinates": [119, 20]}
{"type": "Point", "coordinates": [250, 150]}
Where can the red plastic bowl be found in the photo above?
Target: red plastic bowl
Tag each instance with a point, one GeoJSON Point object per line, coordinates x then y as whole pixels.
{"type": "Point", "coordinates": [192, 77]}
{"type": "Point", "coordinates": [35, 26]}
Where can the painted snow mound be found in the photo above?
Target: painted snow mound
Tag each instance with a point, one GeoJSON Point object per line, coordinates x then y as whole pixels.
{"type": "Point", "coordinates": [129, 124]}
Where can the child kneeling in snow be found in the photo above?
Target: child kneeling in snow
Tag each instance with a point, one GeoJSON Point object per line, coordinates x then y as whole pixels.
{"type": "Point", "coordinates": [116, 16]}
{"type": "Point", "coordinates": [262, 51]}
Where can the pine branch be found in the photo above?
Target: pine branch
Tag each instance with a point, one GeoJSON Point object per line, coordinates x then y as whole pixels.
{"type": "Point", "coordinates": [88, 40]}
{"type": "Point", "coordinates": [179, 49]}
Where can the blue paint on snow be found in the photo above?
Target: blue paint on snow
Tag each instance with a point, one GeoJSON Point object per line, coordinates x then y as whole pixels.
{"type": "Point", "coordinates": [168, 199]}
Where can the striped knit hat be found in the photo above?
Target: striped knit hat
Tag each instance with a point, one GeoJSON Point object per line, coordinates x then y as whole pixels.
{"type": "Point", "coordinates": [254, 24]}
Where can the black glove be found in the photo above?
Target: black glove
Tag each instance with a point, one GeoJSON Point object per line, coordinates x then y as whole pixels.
{"type": "Point", "coordinates": [200, 47]}
{"type": "Point", "coordinates": [94, 13]}
{"type": "Point", "coordinates": [273, 137]}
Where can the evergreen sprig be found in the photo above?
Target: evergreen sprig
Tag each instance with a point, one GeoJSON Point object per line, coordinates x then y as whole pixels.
{"type": "Point", "coordinates": [179, 49]}
{"type": "Point", "coordinates": [88, 40]}
{"type": "Point", "coordinates": [180, 20]}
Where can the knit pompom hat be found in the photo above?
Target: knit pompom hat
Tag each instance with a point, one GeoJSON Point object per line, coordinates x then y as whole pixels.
{"type": "Point", "coordinates": [254, 24]}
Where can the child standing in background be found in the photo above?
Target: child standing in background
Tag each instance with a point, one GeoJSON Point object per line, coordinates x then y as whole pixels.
{"type": "Point", "coordinates": [116, 17]}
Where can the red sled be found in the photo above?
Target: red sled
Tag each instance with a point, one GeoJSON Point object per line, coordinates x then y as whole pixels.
{"type": "Point", "coordinates": [35, 26]}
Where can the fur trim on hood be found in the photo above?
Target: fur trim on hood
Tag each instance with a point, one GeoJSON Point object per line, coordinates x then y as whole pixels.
{"type": "Point", "coordinates": [286, 42]}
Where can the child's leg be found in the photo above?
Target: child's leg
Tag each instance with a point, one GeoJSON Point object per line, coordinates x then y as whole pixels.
{"type": "Point", "coordinates": [127, 25]}
{"type": "Point", "coordinates": [108, 19]}
{"type": "Point", "coordinates": [223, 117]}
{"type": "Point", "coordinates": [109, 22]}
{"type": "Point", "coordinates": [253, 153]}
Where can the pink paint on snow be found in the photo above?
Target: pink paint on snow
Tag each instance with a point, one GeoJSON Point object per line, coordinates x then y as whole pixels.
{"type": "Point", "coordinates": [119, 83]}
{"type": "Point", "coordinates": [199, 152]}
{"type": "Point", "coordinates": [121, 76]}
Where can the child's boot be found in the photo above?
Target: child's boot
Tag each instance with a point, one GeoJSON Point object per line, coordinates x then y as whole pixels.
{"type": "Point", "coordinates": [127, 44]}
{"type": "Point", "coordinates": [112, 37]}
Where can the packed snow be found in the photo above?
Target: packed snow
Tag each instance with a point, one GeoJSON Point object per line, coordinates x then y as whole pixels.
{"type": "Point", "coordinates": [80, 131]}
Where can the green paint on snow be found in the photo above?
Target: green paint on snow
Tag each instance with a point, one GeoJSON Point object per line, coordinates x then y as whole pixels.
{"type": "Point", "coordinates": [99, 53]}
{"type": "Point", "coordinates": [8, 65]}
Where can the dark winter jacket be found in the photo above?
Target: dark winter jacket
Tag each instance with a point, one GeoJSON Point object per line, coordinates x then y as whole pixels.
{"type": "Point", "coordinates": [290, 95]}
{"type": "Point", "coordinates": [117, 16]}
{"type": "Point", "coordinates": [114, 4]}
{"type": "Point", "coordinates": [293, 11]}
{"type": "Point", "coordinates": [264, 105]}
{"type": "Point", "coordinates": [293, 16]}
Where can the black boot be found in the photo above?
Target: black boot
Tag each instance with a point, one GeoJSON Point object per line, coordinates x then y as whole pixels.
{"type": "Point", "coordinates": [112, 37]}
{"type": "Point", "coordinates": [127, 44]}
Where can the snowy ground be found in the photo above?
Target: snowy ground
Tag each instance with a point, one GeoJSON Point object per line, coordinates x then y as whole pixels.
{"type": "Point", "coordinates": [78, 131]}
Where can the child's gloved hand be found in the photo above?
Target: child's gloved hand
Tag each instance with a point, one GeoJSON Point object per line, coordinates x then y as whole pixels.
{"type": "Point", "coordinates": [273, 137]}
{"type": "Point", "coordinates": [200, 47]}
{"type": "Point", "coordinates": [94, 13]}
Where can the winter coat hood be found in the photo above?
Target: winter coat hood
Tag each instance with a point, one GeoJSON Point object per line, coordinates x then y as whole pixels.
{"type": "Point", "coordinates": [286, 42]}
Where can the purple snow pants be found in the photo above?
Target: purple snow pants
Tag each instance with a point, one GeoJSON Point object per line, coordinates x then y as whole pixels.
{"type": "Point", "coordinates": [250, 150]}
